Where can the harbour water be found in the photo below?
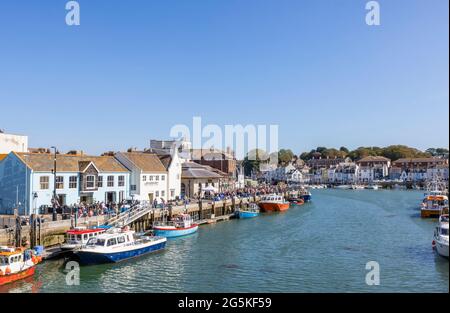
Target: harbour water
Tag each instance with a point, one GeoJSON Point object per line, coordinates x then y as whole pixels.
{"type": "Point", "coordinates": [322, 246]}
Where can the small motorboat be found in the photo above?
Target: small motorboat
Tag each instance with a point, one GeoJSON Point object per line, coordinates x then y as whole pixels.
{"type": "Point", "coordinates": [372, 187]}
{"type": "Point", "coordinates": [118, 245]}
{"type": "Point", "coordinates": [344, 187]}
{"type": "Point", "coordinates": [182, 225]}
{"type": "Point", "coordinates": [251, 211]}
{"type": "Point", "coordinates": [79, 236]}
{"type": "Point", "coordinates": [273, 203]}
{"type": "Point", "coordinates": [440, 242]}
{"type": "Point", "coordinates": [433, 204]}
{"type": "Point", "coordinates": [296, 201]}
{"type": "Point", "coordinates": [16, 264]}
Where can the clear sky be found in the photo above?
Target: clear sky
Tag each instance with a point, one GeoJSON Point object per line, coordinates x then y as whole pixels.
{"type": "Point", "coordinates": [133, 69]}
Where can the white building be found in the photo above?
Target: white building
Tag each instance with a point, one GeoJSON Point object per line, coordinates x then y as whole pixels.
{"type": "Point", "coordinates": [438, 172]}
{"type": "Point", "coordinates": [172, 162]}
{"type": "Point", "coordinates": [27, 180]}
{"type": "Point", "coordinates": [373, 168]}
{"type": "Point", "coordinates": [148, 178]}
{"type": "Point", "coordinates": [10, 142]}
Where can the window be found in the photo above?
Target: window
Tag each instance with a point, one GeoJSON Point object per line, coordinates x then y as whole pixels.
{"type": "Point", "coordinates": [90, 182]}
{"type": "Point", "coordinates": [59, 182]}
{"type": "Point", "coordinates": [163, 193]}
{"type": "Point", "coordinates": [73, 180]}
{"type": "Point", "coordinates": [144, 178]}
{"type": "Point", "coordinates": [150, 178]}
{"type": "Point", "coordinates": [121, 239]}
{"type": "Point", "coordinates": [110, 181]}
{"type": "Point", "coordinates": [133, 187]}
{"type": "Point", "coordinates": [111, 242]}
{"type": "Point", "coordinates": [172, 193]}
{"type": "Point", "coordinates": [121, 181]}
{"type": "Point", "coordinates": [157, 177]}
{"type": "Point", "coordinates": [157, 193]}
{"type": "Point", "coordinates": [44, 182]}
{"type": "Point", "coordinates": [100, 182]}
{"type": "Point", "coordinates": [163, 177]}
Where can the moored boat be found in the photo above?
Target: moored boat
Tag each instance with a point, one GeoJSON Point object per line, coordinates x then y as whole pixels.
{"type": "Point", "coordinates": [273, 203]}
{"type": "Point", "coordinates": [433, 204]}
{"type": "Point", "coordinates": [440, 242]}
{"type": "Point", "coordinates": [296, 201]}
{"type": "Point", "coordinates": [16, 264]}
{"type": "Point", "coordinates": [119, 245]}
{"type": "Point", "coordinates": [182, 225]}
{"type": "Point", "coordinates": [251, 211]}
{"type": "Point", "coordinates": [79, 236]}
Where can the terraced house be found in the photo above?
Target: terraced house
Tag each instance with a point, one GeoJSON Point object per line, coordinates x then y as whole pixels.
{"type": "Point", "coordinates": [27, 180]}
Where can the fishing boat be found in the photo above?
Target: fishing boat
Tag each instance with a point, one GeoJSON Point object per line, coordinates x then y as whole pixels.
{"type": "Point", "coordinates": [182, 225]}
{"type": "Point", "coordinates": [433, 204]}
{"type": "Point", "coordinates": [305, 195]}
{"type": "Point", "coordinates": [273, 203]}
{"type": "Point", "coordinates": [118, 245]}
{"type": "Point", "coordinates": [296, 201]}
{"type": "Point", "coordinates": [440, 242]}
{"type": "Point", "coordinates": [79, 236]}
{"type": "Point", "coordinates": [16, 264]}
{"type": "Point", "coordinates": [251, 211]}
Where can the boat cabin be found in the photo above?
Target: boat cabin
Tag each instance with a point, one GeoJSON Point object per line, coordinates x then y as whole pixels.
{"type": "Point", "coordinates": [110, 240]}
{"type": "Point", "coordinates": [272, 198]}
{"type": "Point", "coordinates": [435, 202]}
{"type": "Point", "coordinates": [82, 235]}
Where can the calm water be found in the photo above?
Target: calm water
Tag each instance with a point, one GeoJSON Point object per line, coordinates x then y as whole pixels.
{"type": "Point", "coordinates": [322, 246]}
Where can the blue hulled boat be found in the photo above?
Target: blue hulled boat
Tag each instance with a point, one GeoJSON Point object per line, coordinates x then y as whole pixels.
{"type": "Point", "coordinates": [251, 211]}
{"type": "Point", "coordinates": [118, 246]}
{"type": "Point", "coordinates": [182, 225]}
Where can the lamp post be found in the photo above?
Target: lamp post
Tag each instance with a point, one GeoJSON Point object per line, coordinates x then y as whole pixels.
{"type": "Point", "coordinates": [54, 213]}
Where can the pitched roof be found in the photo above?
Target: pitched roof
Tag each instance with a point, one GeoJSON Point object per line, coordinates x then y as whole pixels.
{"type": "Point", "coordinates": [192, 170]}
{"type": "Point", "coordinates": [373, 159]}
{"type": "Point", "coordinates": [165, 159]}
{"type": "Point", "coordinates": [43, 162]}
{"type": "Point", "coordinates": [2, 156]}
{"type": "Point", "coordinates": [210, 154]}
{"type": "Point", "coordinates": [420, 160]}
{"type": "Point", "coordinates": [147, 162]}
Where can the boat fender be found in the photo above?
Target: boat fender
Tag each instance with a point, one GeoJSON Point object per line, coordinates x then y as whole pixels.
{"type": "Point", "coordinates": [433, 244]}
{"type": "Point", "coordinates": [7, 270]}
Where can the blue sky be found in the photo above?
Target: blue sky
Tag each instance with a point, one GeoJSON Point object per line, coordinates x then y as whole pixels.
{"type": "Point", "coordinates": [133, 69]}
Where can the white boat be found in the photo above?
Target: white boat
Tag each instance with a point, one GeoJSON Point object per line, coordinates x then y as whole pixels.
{"type": "Point", "coordinates": [182, 225]}
{"type": "Point", "coordinates": [118, 246]}
{"type": "Point", "coordinates": [373, 187]}
{"type": "Point", "coordinates": [357, 187]}
{"type": "Point", "coordinates": [344, 187]}
{"type": "Point", "coordinates": [440, 242]}
{"type": "Point", "coordinates": [80, 236]}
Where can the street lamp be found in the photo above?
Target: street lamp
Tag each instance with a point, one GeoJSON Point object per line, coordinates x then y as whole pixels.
{"type": "Point", "coordinates": [54, 185]}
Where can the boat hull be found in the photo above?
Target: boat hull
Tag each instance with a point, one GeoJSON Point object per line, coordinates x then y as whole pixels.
{"type": "Point", "coordinates": [172, 233]}
{"type": "Point", "coordinates": [246, 214]}
{"type": "Point", "coordinates": [425, 213]}
{"type": "Point", "coordinates": [273, 207]}
{"type": "Point", "coordinates": [306, 198]}
{"type": "Point", "coordinates": [6, 279]}
{"type": "Point", "coordinates": [92, 258]}
{"type": "Point", "coordinates": [442, 249]}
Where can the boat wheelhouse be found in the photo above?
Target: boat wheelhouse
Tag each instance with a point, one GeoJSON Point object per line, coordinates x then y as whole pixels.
{"type": "Point", "coordinates": [182, 225]}
{"type": "Point", "coordinates": [80, 236]}
{"type": "Point", "coordinates": [440, 242]}
{"type": "Point", "coordinates": [16, 264]}
{"type": "Point", "coordinates": [273, 203]}
{"type": "Point", "coordinates": [433, 204]}
{"type": "Point", "coordinates": [118, 245]}
{"type": "Point", "coordinates": [251, 211]}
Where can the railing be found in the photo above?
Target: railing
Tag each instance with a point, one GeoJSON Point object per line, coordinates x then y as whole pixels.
{"type": "Point", "coordinates": [129, 216]}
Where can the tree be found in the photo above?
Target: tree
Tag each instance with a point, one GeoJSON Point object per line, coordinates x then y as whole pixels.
{"type": "Point", "coordinates": [285, 156]}
{"type": "Point", "coordinates": [344, 149]}
{"type": "Point", "coordinates": [253, 160]}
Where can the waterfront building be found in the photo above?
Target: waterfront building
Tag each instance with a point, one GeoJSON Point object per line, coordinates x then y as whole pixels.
{"type": "Point", "coordinates": [218, 159]}
{"type": "Point", "coordinates": [197, 178]}
{"type": "Point", "coordinates": [345, 173]}
{"type": "Point", "coordinates": [296, 176]}
{"type": "Point", "coordinates": [417, 169]}
{"type": "Point", "coordinates": [11, 142]}
{"type": "Point", "coordinates": [183, 146]}
{"type": "Point", "coordinates": [438, 172]}
{"type": "Point", "coordinates": [148, 175]}
{"type": "Point", "coordinates": [320, 162]}
{"type": "Point", "coordinates": [372, 168]}
{"type": "Point", "coordinates": [173, 164]}
{"type": "Point", "coordinates": [27, 180]}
